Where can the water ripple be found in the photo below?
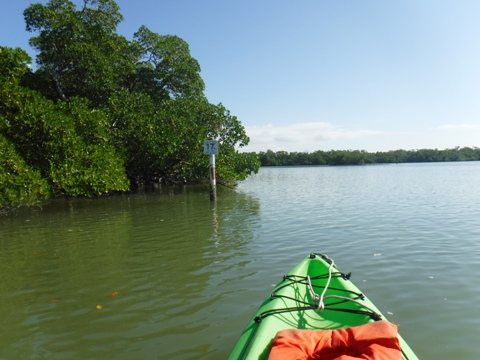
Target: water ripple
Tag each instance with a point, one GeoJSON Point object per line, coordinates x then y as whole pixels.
{"type": "Point", "coordinates": [173, 276]}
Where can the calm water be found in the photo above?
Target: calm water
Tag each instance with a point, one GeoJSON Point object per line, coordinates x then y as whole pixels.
{"type": "Point", "coordinates": [173, 276]}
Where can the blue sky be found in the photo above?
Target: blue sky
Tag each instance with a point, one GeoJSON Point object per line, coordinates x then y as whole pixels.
{"type": "Point", "coordinates": [310, 75]}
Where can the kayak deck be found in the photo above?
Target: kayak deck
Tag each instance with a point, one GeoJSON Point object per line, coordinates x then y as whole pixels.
{"type": "Point", "coordinates": [315, 296]}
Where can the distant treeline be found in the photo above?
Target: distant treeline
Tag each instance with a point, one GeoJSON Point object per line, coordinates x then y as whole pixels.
{"type": "Point", "coordinates": [361, 157]}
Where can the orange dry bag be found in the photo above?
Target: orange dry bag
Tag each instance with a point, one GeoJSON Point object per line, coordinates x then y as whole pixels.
{"type": "Point", "coordinates": [373, 341]}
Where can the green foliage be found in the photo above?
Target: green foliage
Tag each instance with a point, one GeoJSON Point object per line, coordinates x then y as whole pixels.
{"type": "Point", "coordinates": [82, 161]}
{"type": "Point", "coordinates": [79, 50]}
{"type": "Point", "coordinates": [221, 125]}
{"type": "Point", "coordinates": [167, 142]}
{"type": "Point", "coordinates": [67, 143]}
{"type": "Point", "coordinates": [233, 165]}
{"type": "Point", "coordinates": [80, 54]}
{"type": "Point", "coordinates": [14, 63]}
{"type": "Point", "coordinates": [194, 121]}
{"type": "Point", "coordinates": [100, 111]}
{"type": "Point", "coordinates": [165, 68]}
{"type": "Point", "coordinates": [361, 157]}
{"type": "Point", "coordinates": [20, 185]}
{"type": "Point", "coordinates": [71, 147]}
{"type": "Point", "coordinates": [150, 87]}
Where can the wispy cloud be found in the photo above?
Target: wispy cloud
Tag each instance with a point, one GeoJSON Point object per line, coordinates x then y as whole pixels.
{"type": "Point", "coordinates": [312, 136]}
{"type": "Point", "coordinates": [308, 136]}
{"type": "Point", "coordinates": [459, 126]}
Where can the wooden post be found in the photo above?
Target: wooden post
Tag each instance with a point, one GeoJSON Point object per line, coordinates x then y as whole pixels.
{"type": "Point", "coordinates": [210, 147]}
{"type": "Point", "coordinates": [213, 182]}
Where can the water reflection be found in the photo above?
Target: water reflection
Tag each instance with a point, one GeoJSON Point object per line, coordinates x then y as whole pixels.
{"type": "Point", "coordinates": [163, 254]}
{"type": "Point", "coordinates": [189, 273]}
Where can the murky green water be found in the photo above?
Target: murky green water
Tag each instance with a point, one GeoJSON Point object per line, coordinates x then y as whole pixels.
{"type": "Point", "coordinates": [177, 277]}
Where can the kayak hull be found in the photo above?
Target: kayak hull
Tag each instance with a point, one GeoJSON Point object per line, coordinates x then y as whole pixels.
{"type": "Point", "coordinates": [294, 304]}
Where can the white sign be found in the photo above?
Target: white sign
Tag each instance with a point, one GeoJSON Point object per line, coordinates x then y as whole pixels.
{"type": "Point", "coordinates": [210, 147]}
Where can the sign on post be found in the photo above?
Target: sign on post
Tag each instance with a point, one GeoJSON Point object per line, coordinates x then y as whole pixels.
{"type": "Point", "coordinates": [210, 147]}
